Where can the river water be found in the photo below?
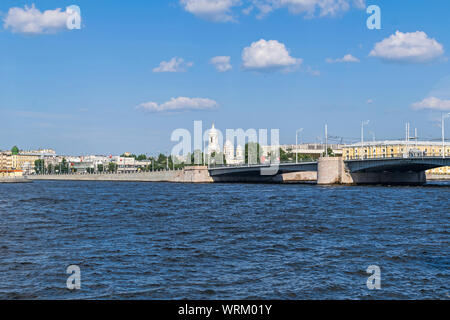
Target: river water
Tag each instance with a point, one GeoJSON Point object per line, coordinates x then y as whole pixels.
{"type": "Point", "coordinates": [223, 241]}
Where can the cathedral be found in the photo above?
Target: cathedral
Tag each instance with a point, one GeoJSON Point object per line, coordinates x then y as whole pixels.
{"type": "Point", "coordinates": [228, 150]}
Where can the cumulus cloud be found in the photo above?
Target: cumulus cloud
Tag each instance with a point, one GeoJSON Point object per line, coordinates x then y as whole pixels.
{"type": "Point", "coordinates": [212, 10]}
{"type": "Point", "coordinates": [221, 63]}
{"type": "Point", "coordinates": [222, 10]}
{"type": "Point", "coordinates": [432, 103]}
{"type": "Point", "coordinates": [179, 104]}
{"type": "Point", "coordinates": [310, 8]}
{"type": "Point", "coordinates": [346, 58]}
{"type": "Point", "coordinates": [268, 56]}
{"type": "Point", "coordinates": [174, 65]}
{"type": "Point", "coordinates": [412, 47]}
{"type": "Point", "coordinates": [30, 20]}
{"type": "Point", "coordinates": [311, 71]}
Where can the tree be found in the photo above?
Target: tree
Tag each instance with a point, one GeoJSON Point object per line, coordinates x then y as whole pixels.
{"type": "Point", "coordinates": [14, 150]}
{"type": "Point", "coordinates": [286, 156]}
{"type": "Point", "coordinates": [216, 159]}
{"type": "Point", "coordinates": [330, 152]}
{"type": "Point", "coordinates": [100, 167]}
{"type": "Point", "coordinates": [254, 150]}
{"type": "Point", "coordinates": [112, 167]}
{"type": "Point", "coordinates": [161, 162]}
{"type": "Point", "coordinates": [39, 166]}
{"type": "Point", "coordinates": [64, 166]}
{"type": "Point", "coordinates": [128, 155]}
{"type": "Point", "coordinates": [197, 157]}
{"type": "Point", "coordinates": [141, 157]}
{"type": "Point", "coordinates": [283, 156]}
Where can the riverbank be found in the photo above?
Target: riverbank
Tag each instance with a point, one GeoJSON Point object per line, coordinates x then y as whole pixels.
{"type": "Point", "coordinates": [438, 177]}
{"type": "Point", "coordinates": [14, 180]}
{"type": "Point", "coordinates": [195, 174]}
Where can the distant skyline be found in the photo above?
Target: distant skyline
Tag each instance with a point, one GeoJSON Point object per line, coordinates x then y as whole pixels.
{"type": "Point", "coordinates": [136, 71]}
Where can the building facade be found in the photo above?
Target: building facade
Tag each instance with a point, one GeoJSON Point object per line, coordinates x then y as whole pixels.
{"type": "Point", "coordinates": [24, 162]}
{"type": "Point", "coordinates": [5, 160]}
{"type": "Point", "coordinates": [311, 150]}
{"type": "Point", "coordinates": [394, 149]}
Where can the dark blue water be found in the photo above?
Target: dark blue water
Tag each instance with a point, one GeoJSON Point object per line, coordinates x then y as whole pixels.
{"type": "Point", "coordinates": [216, 241]}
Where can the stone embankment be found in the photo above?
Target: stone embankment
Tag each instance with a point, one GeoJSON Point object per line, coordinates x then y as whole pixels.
{"type": "Point", "coordinates": [14, 180]}
{"type": "Point", "coordinates": [195, 174]}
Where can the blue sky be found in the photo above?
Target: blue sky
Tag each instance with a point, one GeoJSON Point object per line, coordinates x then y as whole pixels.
{"type": "Point", "coordinates": [79, 91]}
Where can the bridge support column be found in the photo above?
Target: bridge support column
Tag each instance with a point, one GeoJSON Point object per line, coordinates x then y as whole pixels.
{"type": "Point", "coordinates": [329, 170]}
{"type": "Point", "coordinates": [333, 170]}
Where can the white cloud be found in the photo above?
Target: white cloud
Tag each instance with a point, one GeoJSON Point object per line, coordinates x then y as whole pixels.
{"type": "Point", "coordinates": [222, 10]}
{"type": "Point", "coordinates": [212, 10]}
{"type": "Point", "coordinates": [413, 47]}
{"type": "Point", "coordinates": [32, 21]}
{"type": "Point", "coordinates": [369, 101]}
{"type": "Point", "coordinates": [179, 104]}
{"type": "Point", "coordinates": [311, 71]}
{"type": "Point", "coordinates": [221, 63]}
{"type": "Point", "coordinates": [268, 56]}
{"type": "Point", "coordinates": [310, 8]}
{"type": "Point", "coordinates": [432, 103]}
{"type": "Point", "coordinates": [346, 58]}
{"type": "Point", "coordinates": [174, 65]}
{"type": "Point", "coordinates": [360, 4]}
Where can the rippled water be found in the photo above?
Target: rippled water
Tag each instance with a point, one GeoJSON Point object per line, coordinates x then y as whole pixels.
{"type": "Point", "coordinates": [217, 241]}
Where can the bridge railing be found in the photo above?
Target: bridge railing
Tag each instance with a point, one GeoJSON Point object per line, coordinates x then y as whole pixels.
{"type": "Point", "coordinates": [409, 155]}
{"type": "Point", "coordinates": [104, 172]}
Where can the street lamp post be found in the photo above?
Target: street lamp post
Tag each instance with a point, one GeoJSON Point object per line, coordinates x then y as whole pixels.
{"type": "Point", "coordinates": [443, 132]}
{"type": "Point", "coordinates": [204, 145]}
{"type": "Point", "coordinates": [296, 143]}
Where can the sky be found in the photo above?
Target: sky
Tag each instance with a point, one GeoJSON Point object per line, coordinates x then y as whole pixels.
{"type": "Point", "coordinates": [132, 72]}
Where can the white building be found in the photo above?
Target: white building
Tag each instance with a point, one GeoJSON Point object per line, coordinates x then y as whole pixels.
{"type": "Point", "coordinates": [228, 150]}
{"type": "Point", "coordinates": [240, 156]}
{"type": "Point", "coordinates": [213, 141]}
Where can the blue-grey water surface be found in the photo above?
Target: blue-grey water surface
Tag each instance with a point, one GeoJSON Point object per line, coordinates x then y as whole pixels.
{"type": "Point", "coordinates": [223, 241]}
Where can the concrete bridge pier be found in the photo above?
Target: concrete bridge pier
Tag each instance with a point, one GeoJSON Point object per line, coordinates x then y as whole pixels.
{"type": "Point", "coordinates": [329, 170]}
{"type": "Point", "coordinates": [333, 170]}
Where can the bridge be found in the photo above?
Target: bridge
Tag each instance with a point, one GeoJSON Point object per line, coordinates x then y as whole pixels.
{"type": "Point", "coordinates": [325, 171]}
{"type": "Point", "coordinates": [406, 169]}
{"type": "Point", "coordinates": [398, 169]}
{"type": "Point", "coordinates": [396, 164]}
{"type": "Point", "coordinates": [262, 169]}
{"type": "Point", "coordinates": [278, 173]}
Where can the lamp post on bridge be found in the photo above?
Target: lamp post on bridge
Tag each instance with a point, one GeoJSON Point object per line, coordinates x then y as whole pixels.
{"type": "Point", "coordinates": [443, 133]}
{"type": "Point", "coordinates": [296, 143]}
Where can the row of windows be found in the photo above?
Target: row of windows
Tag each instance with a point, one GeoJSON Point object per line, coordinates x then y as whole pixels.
{"type": "Point", "coordinates": [401, 150]}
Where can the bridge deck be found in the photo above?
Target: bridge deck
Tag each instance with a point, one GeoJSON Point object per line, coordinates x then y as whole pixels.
{"type": "Point", "coordinates": [396, 164]}
{"type": "Point", "coordinates": [268, 170]}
